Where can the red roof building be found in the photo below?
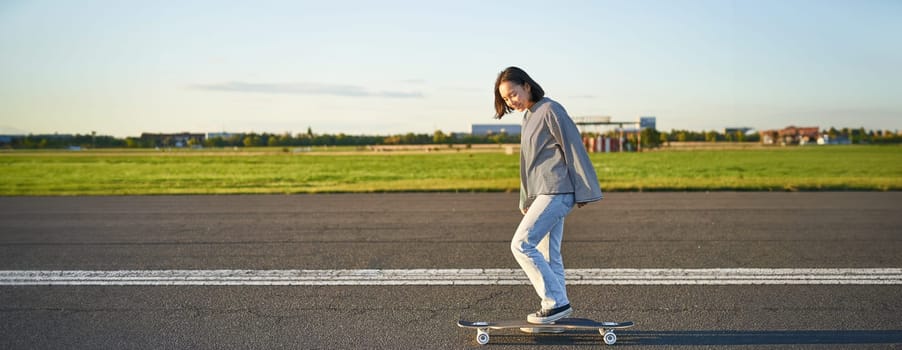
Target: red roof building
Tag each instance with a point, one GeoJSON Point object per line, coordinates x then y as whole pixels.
{"type": "Point", "coordinates": [791, 135]}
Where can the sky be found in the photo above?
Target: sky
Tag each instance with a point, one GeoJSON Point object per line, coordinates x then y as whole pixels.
{"type": "Point", "coordinates": [387, 67]}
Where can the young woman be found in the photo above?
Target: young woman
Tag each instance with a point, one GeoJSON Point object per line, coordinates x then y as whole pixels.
{"type": "Point", "coordinates": [555, 175]}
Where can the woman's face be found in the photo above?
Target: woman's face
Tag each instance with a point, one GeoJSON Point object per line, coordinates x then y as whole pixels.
{"type": "Point", "coordinates": [516, 96]}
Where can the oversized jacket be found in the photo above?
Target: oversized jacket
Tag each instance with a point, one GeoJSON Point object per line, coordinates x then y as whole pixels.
{"type": "Point", "coordinates": [553, 159]}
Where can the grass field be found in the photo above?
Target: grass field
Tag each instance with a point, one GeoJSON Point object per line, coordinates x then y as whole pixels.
{"type": "Point", "coordinates": [105, 172]}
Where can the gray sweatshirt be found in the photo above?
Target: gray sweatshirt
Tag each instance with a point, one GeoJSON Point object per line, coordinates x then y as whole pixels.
{"type": "Point", "coordinates": [553, 159]}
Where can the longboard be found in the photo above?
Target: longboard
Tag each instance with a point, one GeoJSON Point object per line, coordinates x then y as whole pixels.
{"type": "Point", "coordinates": [604, 328]}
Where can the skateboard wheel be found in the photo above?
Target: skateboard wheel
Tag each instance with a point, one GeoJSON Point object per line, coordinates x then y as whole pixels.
{"type": "Point", "coordinates": [610, 338]}
{"type": "Point", "coordinates": [482, 337]}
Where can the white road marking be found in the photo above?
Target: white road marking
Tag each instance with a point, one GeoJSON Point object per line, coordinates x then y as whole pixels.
{"type": "Point", "coordinates": [432, 277]}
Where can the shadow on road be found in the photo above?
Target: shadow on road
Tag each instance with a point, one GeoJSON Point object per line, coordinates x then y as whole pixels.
{"type": "Point", "coordinates": [788, 337]}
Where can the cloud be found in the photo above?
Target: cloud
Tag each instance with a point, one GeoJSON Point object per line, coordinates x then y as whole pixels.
{"type": "Point", "coordinates": [10, 130]}
{"type": "Point", "coordinates": [305, 89]}
{"type": "Point", "coordinates": [414, 81]}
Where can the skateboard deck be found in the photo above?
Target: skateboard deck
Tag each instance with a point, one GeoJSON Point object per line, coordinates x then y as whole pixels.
{"type": "Point", "coordinates": [604, 328]}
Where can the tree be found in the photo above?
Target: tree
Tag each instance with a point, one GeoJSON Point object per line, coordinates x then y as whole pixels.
{"type": "Point", "coordinates": [650, 137]}
{"type": "Point", "coordinates": [499, 138]}
{"type": "Point", "coordinates": [439, 137]}
{"type": "Point", "coordinates": [251, 140]}
{"type": "Point", "coordinates": [409, 139]}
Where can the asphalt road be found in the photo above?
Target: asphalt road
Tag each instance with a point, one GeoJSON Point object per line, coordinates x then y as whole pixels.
{"type": "Point", "coordinates": [445, 231]}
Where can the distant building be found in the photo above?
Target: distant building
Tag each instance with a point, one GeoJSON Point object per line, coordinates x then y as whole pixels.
{"type": "Point", "coordinates": [648, 122]}
{"type": "Point", "coordinates": [223, 135]}
{"type": "Point", "coordinates": [492, 129]}
{"type": "Point", "coordinates": [174, 140]}
{"type": "Point", "coordinates": [791, 135]}
{"type": "Point", "coordinates": [733, 131]}
{"type": "Point", "coordinates": [826, 139]}
{"type": "Point", "coordinates": [8, 139]}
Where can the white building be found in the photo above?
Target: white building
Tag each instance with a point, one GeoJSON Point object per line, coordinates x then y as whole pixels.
{"type": "Point", "coordinates": [492, 129]}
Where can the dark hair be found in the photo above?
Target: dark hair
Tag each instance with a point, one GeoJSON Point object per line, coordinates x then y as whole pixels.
{"type": "Point", "coordinates": [517, 76]}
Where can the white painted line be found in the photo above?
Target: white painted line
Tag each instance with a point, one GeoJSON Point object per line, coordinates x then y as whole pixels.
{"type": "Point", "coordinates": [432, 277]}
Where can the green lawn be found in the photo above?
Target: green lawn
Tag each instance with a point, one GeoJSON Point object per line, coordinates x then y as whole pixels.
{"type": "Point", "coordinates": [871, 168]}
{"type": "Point", "coordinates": [793, 168]}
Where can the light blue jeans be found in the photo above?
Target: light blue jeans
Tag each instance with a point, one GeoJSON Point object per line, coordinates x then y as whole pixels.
{"type": "Point", "coordinates": [537, 247]}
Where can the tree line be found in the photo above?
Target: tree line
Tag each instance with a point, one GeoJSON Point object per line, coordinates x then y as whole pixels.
{"type": "Point", "coordinates": [249, 140]}
{"type": "Point", "coordinates": [649, 138]}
